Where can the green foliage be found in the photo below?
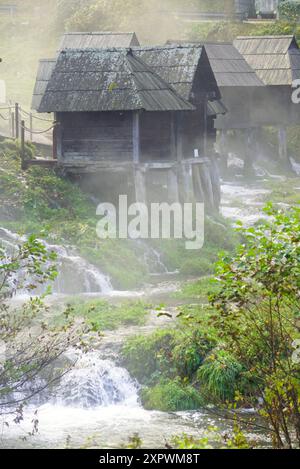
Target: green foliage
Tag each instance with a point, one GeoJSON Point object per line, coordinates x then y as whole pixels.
{"type": "Point", "coordinates": [30, 347]}
{"type": "Point", "coordinates": [29, 262]}
{"type": "Point", "coordinates": [287, 192]}
{"type": "Point", "coordinates": [258, 314]}
{"type": "Point", "coordinates": [171, 395]}
{"type": "Point", "coordinates": [148, 358]}
{"type": "Point", "coordinates": [44, 202]}
{"type": "Point", "coordinates": [220, 376]}
{"type": "Point", "coordinates": [228, 31]}
{"type": "Point", "coordinates": [101, 315]}
{"type": "Point", "coordinates": [199, 290]}
{"type": "Point", "coordinates": [289, 10]}
{"type": "Point", "coordinates": [189, 352]}
{"type": "Point", "coordinates": [167, 362]}
{"type": "Point", "coordinates": [218, 236]}
{"type": "Point", "coordinates": [237, 441]}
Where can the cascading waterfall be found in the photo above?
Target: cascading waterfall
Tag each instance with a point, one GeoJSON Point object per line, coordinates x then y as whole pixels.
{"type": "Point", "coordinates": [76, 275]}
{"type": "Point", "coordinates": [94, 382]}
{"type": "Point", "coordinates": [153, 260]}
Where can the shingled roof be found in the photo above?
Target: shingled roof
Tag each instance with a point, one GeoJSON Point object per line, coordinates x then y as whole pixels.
{"type": "Point", "coordinates": [229, 66]}
{"type": "Point", "coordinates": [177, 64]}
{"type": "Point", "coordinates": [98, 40]}
{"type": "Point", "coordinates": [45, 69]}
{"type": "Point", "coordinates": [107, 80]}
{"type": "Point", "coordinates": [275, 59]}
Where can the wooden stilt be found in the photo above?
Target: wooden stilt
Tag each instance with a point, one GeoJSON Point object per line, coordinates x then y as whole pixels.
{"type": "Point", "coordinates": [187, 181]}
{"type": "Point", "coordinates": [223, 150]}
{"type": "Point", "coordinates": [250, 151]}
{"type": "Point", "coordinates": [17, 121]}
{"type": "Point", "coordinates": [140, 186]}
{"type": "Point", "coordinates": [136, 137]}
{"type": "Point", "coordinates": [173, 191]}
{"type": "Point", "coordinates": [23, 160]}
{"type": "Point", "coordinates": [282, 146]}
{"type": "Point", "coordinates": [207, 185]}
{"type": "Point", "coordinates": [215, 180]}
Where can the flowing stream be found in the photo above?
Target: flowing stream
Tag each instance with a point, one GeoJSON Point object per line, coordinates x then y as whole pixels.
{"type": "Point", "coordinates": [97, 403]}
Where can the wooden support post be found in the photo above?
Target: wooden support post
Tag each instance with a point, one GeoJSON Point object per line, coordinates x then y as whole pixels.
{"type": "Point", "coordinates": [9, 120]}
{"type": "Point", "coordinates": [13, 134]}
{"type": "Point", "coordinates": [139, 175]}
{"type": "Point", "coordinates": [173, 141]}
{"type": "Point", "coordinates": [205, 126]}
{"type": "Point", "coordinates": [173, 191]}
{"type": "Point", "coordinates": [59, 142]}
{"type": "Point", "coordinates": [140, 186]}
{"type": "Point", "coordinates": [207, 186]}
{"type": "Point", "coordinates": [216, 182]}
{"type": "Point", "coordinates": [23, 160]}
{"type": "Point", "coordinates": [31, 126]}
{"type": "Point", "coordinates": [282, 146]}
{"type": "Point", "coordinates": [198, 188]}
{"type": "Point", "coordinates": [17, 121]}
{"type": "Point", "coordinates": [187, 176]}
{"type": "Point", "coordinates": [136, 137]}
{"type": "Point", "coordinates": [250, 149]}
{"type": "Point", "coordinates": [179, 144]}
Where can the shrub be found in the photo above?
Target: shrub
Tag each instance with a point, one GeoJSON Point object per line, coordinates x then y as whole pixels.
{"type": "Point", "coordinates": [190, 352]}
{"type": "Point", "coordinates": [171, 396]}
{"type": "Point", "coordinates": [289, 10]}
{"type": "Point", "coordinates": [257, 318]}
{"type": "Point", "coordinates": [146, 358]}
{"type": "Point", "coordinates": [219, 376]}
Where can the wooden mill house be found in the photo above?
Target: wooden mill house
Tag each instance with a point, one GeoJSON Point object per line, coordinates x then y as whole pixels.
{"type": "Point", "coordinates": [138, 119]}
{"type": "Point", "coordinates": [276, 62]}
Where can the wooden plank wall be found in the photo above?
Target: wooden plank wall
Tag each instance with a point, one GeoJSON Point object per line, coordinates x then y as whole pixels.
{"type": "Point", "coordinates": [92, 136]}
{"type": "Point", "coordinates": [156, 136]}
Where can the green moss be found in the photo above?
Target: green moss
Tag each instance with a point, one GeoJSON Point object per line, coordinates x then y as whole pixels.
{"type": "Point", "coordinates": [198, 290]}
{"type": "Point", "coordinates": [147, 358]}
{"type": "Point", "coordinates": [285, 192]}
{"type": "Point", "coordinates": [171, 396]}
{"type": "Point", "coordinates": [101, 315]}
{"type": "Point", "coordinates": [219, 236]}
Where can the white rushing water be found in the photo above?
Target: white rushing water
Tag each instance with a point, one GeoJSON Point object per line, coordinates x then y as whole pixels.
{"type": "Point", "coordinates": [96, 405]}
{"type": "Point", "coordinates": [243, 203]}
{"type": "Point", "coordinates": [76, 275]}
{"type": "Point", "coordinates": [94, 382]}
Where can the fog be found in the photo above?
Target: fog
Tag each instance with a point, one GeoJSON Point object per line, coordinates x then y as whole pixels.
{"type": "Point", "coordinates": [34, 31]}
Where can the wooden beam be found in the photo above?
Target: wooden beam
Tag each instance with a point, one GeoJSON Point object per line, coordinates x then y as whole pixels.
{"type": "Point", "coordinates": [136, 137]}
{"type": "Point", "coordinates": [59, 141]}
{"type": "Point", "coordinates": [179, 143]}
{"type": "Point", "coordinates": [173, 190]}
{"type": "Point", "coordinates": [23, 161]}
{"type": "Point", "coordinates": [140, 186]}
{"type": "Point", "coordinates": [173, 130]}
{"type": "Point", "coordinates": [17, 121]}
{"type": "Point", "coordinates": [282, 145]}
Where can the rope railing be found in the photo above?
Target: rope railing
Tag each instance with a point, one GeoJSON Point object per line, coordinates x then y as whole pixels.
{"type": "Point", "coordinates": [6, 108]}
{"type": "Point", "coordinates": [39, 131]}
{"type": "Point", "coordinates": [16, 115]}
{"type": "Point", "coordinates": [4, 118]}
{"type": "Point", "coordinates": [34, 116]}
